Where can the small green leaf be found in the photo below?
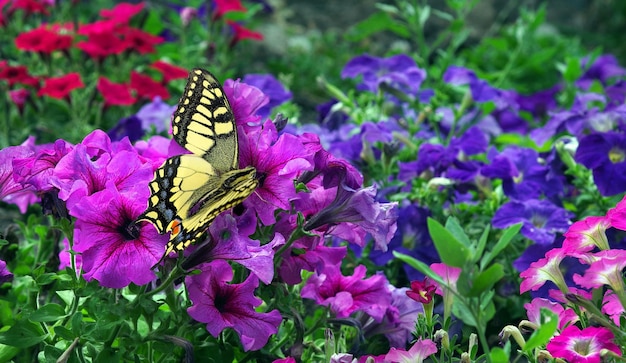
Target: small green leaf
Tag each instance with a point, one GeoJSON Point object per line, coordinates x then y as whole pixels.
{"type": "Point", "coordinates": [22, 335]}
{"type": "Point", "coordinates": [482, 242]}
{"type": "Point", "coordinates": [486, 279]}
{"type": "Point", "coordinates": [502, 243]}
{"type": "Point", "coordinates": [452, 252]}
{"type": "Point", "coordinates": [545, 332]}
{"type": "Point", "coordinates": [453, 226]}
{"type": "Point", "coordinates": [499, 355]}
{"type": "Point", "coordinates": [419, 266]}
{"type": "Point", "coordinates": [64, 333]}
{"type": "Point", "coordinates": [48, 312]}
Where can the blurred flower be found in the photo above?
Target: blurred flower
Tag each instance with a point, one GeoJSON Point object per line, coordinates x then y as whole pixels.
{"type": "Point", "coordinates": [140, 41]}
{"type": "Point", "coordinates": [187, 13]}
{"type": "Point", "coordinates": [115, 93]}
{"type": "Point", "coordinates": [127, 127]}
{"type": "Point", "coordinates": [270, 87]}
{"type": "Point", "coordinates": [582, 346]}
{"type": "Point", "coordinates": [398, 71]}
{"type": "Point", "coordinates": [147, 87]}
{"type": "Point", "coordinates": [604, 68]}
{"type": "Point", "coordinates": [170, 72]}
{"type": "Point", "coordinates": [605, 154]}
{"type": "Point", "coordinates": [44, 39]}
{"type": "Point", "coordinates": [222, 305]}
{"type": "Point", "coordinates": [115, 251]}
{"type": "Point", "coordinates": [100, 45]}
{"type": "Point", "coordinates": [240, 33]}
{"type": "Point", "coordinates": [5, 274]}
{"type": "Point", "coordinates": [222, 7]}
{"type": "Point", "coordinates": [156, 114]}
{"type": "Point", "coordinates": [29, 7]}
{"type": "Point", "coordinates": [418, 352]}
{"type": "Point", "coordinates": [19, 98]}
{"type": "Point", "coordinates": [346, 294]}
{"type": "Point", "coordinates": [567, 316]}
{"type": "Point", "coordinates": [18, 75]}
{"type": "Point", "coordinates": [540, 219]}
{"type": "Point", "coordinates": [122, 12]}
{"type": "Point", "coordinates": [60, 87]}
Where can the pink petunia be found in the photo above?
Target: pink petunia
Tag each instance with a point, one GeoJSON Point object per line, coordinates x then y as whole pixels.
{"type": "Point", "coordinates": [582, 346]}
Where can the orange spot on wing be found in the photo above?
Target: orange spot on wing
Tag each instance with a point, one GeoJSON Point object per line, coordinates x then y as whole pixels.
{"type": "Point", "coordinates": [176, 227]}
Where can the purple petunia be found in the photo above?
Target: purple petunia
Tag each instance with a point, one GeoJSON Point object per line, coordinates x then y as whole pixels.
{"type": "Point", "coordinates": [114, 250]}
{"type": "Point", "coordinates": [540, 219]}
{"type": "Point", "coordinates": [12, 191]}
{"type": "Point", "coordinates": [398, 71]}
{"type": "Point", "coordinates": [270, 87]}
{"type": "Point", "coordinates": [348, 294]}
{"type": "Point", "coordinates": [222, 305]}
{"type": "Point", "coordinates": [5, 274]}
{"type": "Point", "coordinates": [155, 115]}
{"type": "Point", "coordinates": [246, 101]}
{"type": "Point", "coordinates": [605, 154]}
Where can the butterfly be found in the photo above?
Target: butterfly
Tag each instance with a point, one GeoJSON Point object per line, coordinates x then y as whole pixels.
{"type": "Point", "coordinates": [188, 191]}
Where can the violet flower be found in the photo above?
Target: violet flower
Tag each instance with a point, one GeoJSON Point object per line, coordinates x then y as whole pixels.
{"type": "Point", "coordinates": [272, 88]}
{"type": "Point", "coordinates": [605, 154]}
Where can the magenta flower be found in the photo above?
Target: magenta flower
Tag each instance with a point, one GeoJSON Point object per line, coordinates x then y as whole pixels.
{"type": "Point", "coordinates": [582, 346]}
{"type": "Point", "coordinates": [418, 352]}
{"type": "Point", "coordinates": [543, 270]}
{"type": "Point", "coordinates": [612, 306]}
{"type": "Point", "coordinates": [347, 294]}
{"type": "Point", "coordinates": [36, 169]}
{"type": "Point", "coordinates": [5, 274]}
{"type": "Point", "coordinates": [566, 316]}
{"type": "Point", "coordinates": [246, 101]}
{"type": "Point", "coordinates": [114, 250]}
{"type": "Point", "coordinates": [222, 305]}
{"type": "Point", "coordinates": [617, 215]}
{"type": "Point", "coordinates": [12, 191]}
{"type": "Point", "coordinates": [605, 269]}
{"type": "Point", "coordinates": [586, 234]}
{"type": "Point", "coordinates": [271, 87]}
{"type": "Point", "coordinates": [449, 275]}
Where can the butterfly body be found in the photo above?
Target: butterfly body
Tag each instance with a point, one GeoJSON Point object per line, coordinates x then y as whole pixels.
{"type": "Point", "coordinates": [189, 191]}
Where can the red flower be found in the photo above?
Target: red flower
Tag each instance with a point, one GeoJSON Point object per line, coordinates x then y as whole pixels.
{"type": "Point", "coordinates": [225, 6]}
{"type": "Point", "coordinates": [29, 7]}
{"type": "Point", "coordinates": [146, 87]}
{"type": "Point", "coordinates": [170, 72]}
{"type": "Point", "coordinates": [43, 39]}
{"type": "Point", "coordinates": [422, 291]}
{"type": "Point", "coordinates": [240, 33]}
{"type": "Point", "coordinates": [98, 27]}
{"type": "Point", "coordinates": [18, 74]}
{"type": "Point", "coordinates": [101, 45]}
{"type": "Point", "coordinates": [115, 93]}
{"type": "Point", "coordinates": [122, 12]}
{"type": "Point", "coordinates": [141, 41]}
{"type": "Point", "coordinates": [19, 98]}
{"type": "Point", "coordinates": [60, 87]}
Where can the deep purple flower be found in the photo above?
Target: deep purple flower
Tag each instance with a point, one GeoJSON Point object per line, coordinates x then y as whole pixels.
{"type": "Point", "coordinates": [12, 191]}
{"type": "Point", "coordinates": [155, 115]}
{"type": "Point", "coordinates": [272, 88]}
{"type": "Point", "coordinates": [5, 274]}
{"type": "Point", "coordinates": [359, 209]}
{"type": "Point", "coordinates": [127, 127]}
{"type": "Point", "coordinates": [222, 305]}
{"type": "Point", "coordinates": [277, 166]}
{"type": "Point", "coordinates": [605, 154]}
{"type": "Point", "coordinates": [36, 169]}
{"type": "Point", "coordinates": [481, 90]}
{"type": "Point", "coordinates": [603, 69]}
{"type": "Point", "coordinates": [347, 294]}
{"type": "Point", "coordinates": [330, 117]}
{"type": "Point", "coordinates": [432, 158]}
{"type": "Point", "coordinates": [399, 71]}
{"type": "Point", "coordinates": [246, 101]}
{"type": "Point", "coordinates": [539, 103]}
{"type": "Point", "coordinates": [540, 219]}
{"type": "Point", "coordinates": [114, 250]}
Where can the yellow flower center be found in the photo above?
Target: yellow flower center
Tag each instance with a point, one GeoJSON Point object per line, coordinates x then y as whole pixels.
{"type": "Point", "coordinates": [617, 155]}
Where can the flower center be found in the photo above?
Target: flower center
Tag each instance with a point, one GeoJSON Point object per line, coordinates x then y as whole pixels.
{"type": "Point", "coordinates": [616, 155]}
{"type": "Point", "coordinates": [538, 221]}
{"type": "Point", "coordinates": [582, 346]}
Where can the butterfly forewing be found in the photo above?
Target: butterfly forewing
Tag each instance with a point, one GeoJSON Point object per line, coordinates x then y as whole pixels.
{"type": "Point", "coordinates": [204, 122]}
{"type": "Point", "coordinates": [189, 191]}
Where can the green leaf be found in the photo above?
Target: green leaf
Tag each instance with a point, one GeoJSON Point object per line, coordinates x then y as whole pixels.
{"type": "Point", "coordinates": [482, 242]}
{"type": "Point", "coordinates": [64, 333]}
{"type": "Point", "coordinates": [7, 352]}
{"type": "Point", "coordinates": [545, 332]}
{"type": "Point", "coordinates": [48, 312]}
{"type": "Point", "coordinates": [502, 243]}
{"type": "Point", "coordinates": [453, 226]}
{"type": "Point", "coordinates": [420, 266]}
{"type": "Point", "coordinates": [499, 355]}
{"type": "Point", "coordinates": [23, 334]}
{"type": "Point", "coordinates": [572, 69]}
{"type": "Point", "coordinates": [486, 279]}
{"type": "Point", "coordinates": [451, 251]}
{"type": "Point", "coordinates": [376, 23]}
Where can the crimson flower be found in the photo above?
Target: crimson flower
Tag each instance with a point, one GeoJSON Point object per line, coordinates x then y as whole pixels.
{"type": "Point", "coordinates": [141, 41]}
{"type": "Point", "coordinates": [226, 6]}
{"type": "Point", "coordinates": [122, 12]}
{"type": "Point", "coordinates": [422, 291]}
{"type": "Point", "coordinates": [29, 7]}
{"type": "Point", "coordinates": [60, 87]}
{"type": "Point", "coordinates": [147, 87]}
{"type": "Point", "coordinates": [115, 93]}
{"type": "Point", "coordinates": [170, 72]}
{"type": "Point", "coordinates": [240, 33]}
{"type": "Point", "coordinates": [101, 45]}
{"type": "Point", "coordinates": [43, 39]}
{"type": "Point", "coordinates": [18, 75]}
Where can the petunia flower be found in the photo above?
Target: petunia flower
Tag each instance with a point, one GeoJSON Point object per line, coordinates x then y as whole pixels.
{"type": "Point", "coordinates": [5, 274]}
{"type": "Point", "coordinates": [540, 219]}
{"type": "Point", "coordinates": [222, 305]}
{"type": "Point", "coordinates": [605, 154]}
{"type": "Point", "coordinates": [566, 316]}
{"type": "Point", "coordinates": [241, 33]}
{"type": "Point", "coordinates": [156, 115]}
{"type": "Point", "coordinates": [12, 190]}
{"type": "Point", "coordinates": [586, 234]}
{"type": "Point", "coordinates": [543, 270]}
{"type": "Point", "coordinates": [36, 169]}
{"type": "Point", "coordinates": [122, 12]}
{"type": "Point", "coordinates": [246, 100]}
{"type": "Point", "coordinates": [612, 306]}
{"type": "Point", "coordinates": [140, 41]}
{"type": "Point", "coordinates": [222, 7]}
{"type": "Point", "coordinates": [416, 354]}
{"type": "Point", "coordinates": [129, 127]}
{"type": "Point", "coordinates": [147, 87]}
{"type": "Point", "coordinates": [582, 346]}
{"type": "Point", "coordinates": [114, 93]}
{"type": "Point", "coordinates": [422, 291]}
{"type": "Point", "coordinates": [605, 269]}
{"type": "Point", "coordinates": [60, 87]}
{"type": "Point", "coordinates": [272, 88]}
{"type": "Point", "coordinates": [100, 45]}
{"type": "Point", "coordinates": [617, 215]}
{"type": "Point", "coordinates": [169, 71]}
{"type": "Point", "coordinates": [44, 39]}
{"type": "Point", "coordinates": [114, 250]}
{"type": "Point", "coordinates": [347, 294]}
{"type": "Point", "coordinates": [18, 75]}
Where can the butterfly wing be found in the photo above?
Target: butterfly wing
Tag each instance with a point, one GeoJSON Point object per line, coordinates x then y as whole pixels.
{"type": "Point", "coordinates": [204, 122]}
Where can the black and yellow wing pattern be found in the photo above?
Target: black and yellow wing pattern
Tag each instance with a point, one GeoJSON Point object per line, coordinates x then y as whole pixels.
{"type": "Point", "coordinates": [189, 191]}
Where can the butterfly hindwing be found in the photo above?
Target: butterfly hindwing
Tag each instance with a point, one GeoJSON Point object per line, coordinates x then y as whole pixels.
{"type": "Point", "coordinates": [189, 191]}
